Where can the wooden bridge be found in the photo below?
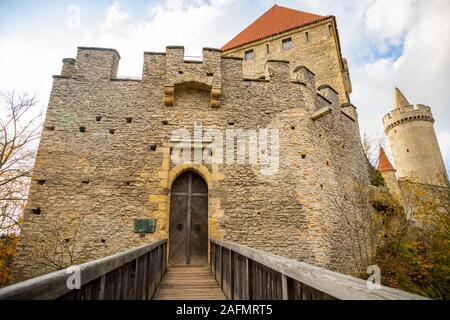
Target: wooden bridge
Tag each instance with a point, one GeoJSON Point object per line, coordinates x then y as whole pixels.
{"type": "Point", "coordinates": [235, 272]}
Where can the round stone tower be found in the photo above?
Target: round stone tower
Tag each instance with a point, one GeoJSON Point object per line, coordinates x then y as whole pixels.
{"type": "Point", "coordinates": [413, 141]}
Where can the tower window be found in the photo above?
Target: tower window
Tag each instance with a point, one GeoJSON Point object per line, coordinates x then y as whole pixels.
{"type": "Point", "coordinates": [129, 120]}
{"type": "Point", "coordinates": [287, 43]}
{"type": "Point", "coordinates": [250, 55]}
{"type": "Point", "coordinates": [82, 129]}
{"type": "Point", "coordinates": [307, 36]}
{"type": "Point", "coordinates": [407, 150]}
{"type": "Point", "coordinates": [267, 48]}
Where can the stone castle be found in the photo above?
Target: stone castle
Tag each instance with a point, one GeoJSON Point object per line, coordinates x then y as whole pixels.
{"type": "Point", "coordinates": [415, 149]}
{"type": "Point", "coordinates": [104, 162]}
{"type": "Point", "coordinates": [414, 145]}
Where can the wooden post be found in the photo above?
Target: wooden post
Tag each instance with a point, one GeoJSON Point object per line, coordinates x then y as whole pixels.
{"type": "Point", "coordinates": [101, 295]}
{"type": "Point", "coordinates": [230, 272]}
{"type": "Point", "coordinates": [144, 280]}
{"type": "Point", "coordinates": [221, 267]}
{"type": "Point", "coordinates": [284, 287]}
{"type": "Point", "coordinates": [119, 284]}
{"type": "Point", "coordinates": [247, 279]}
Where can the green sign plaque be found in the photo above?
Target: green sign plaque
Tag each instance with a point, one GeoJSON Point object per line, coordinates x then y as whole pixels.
{"type": "Point", "coordinates": [144, 226]}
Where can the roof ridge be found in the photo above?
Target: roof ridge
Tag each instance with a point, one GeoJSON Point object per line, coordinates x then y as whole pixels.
{"type": "Point", "coordinates": [384, 165]}
{"type": "Point", "coordinates": [276, 20]}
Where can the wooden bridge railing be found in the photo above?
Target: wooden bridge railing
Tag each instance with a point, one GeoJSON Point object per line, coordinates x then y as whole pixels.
{"type": "Point", "coordinates": [131, 275]}
{"type": "Point", "coordinates": [248, 274]}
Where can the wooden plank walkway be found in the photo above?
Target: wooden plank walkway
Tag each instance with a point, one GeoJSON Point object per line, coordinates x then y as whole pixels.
{"type": "Point", "coordinates": [189, 283]}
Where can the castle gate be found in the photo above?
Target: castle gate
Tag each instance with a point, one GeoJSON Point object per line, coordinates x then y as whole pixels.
{"type": "Point", "coordinates": [188, 224]}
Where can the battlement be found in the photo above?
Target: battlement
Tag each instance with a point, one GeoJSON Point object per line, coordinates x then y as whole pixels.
{"type": "Point", "coordinates": [405, 114]}
{"type": "Point", "coordinates": [175, 70]}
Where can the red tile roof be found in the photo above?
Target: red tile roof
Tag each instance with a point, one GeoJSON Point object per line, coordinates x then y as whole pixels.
{"type": "Point", "coordinates": [275, 21]}
{"type": "Point", "coordinates": [384, 165]}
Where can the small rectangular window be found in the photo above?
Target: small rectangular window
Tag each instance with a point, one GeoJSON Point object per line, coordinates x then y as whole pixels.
{"type": "Point", "coordinates": [267, 48]}
{"type": "Point", "coordinates": [287, 43]}
{"type": "Point", "coordinates": [249, 55]}
{"type": "Point", "coordinates": [307, 36]}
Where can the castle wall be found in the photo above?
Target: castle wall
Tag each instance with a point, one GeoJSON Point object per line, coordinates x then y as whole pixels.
{"type": "Point", "coordinates": [390, 178]}
{"type": "Point", "coordinates": [319, 51]}
{"type": "Point", "coordinates": [97, 171]}
{"type": "Point", "coordinates": [414, 145]}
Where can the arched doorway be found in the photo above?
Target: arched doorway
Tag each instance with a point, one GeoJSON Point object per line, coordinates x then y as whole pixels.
{"type": "Point", "coordinates": [188, 231]}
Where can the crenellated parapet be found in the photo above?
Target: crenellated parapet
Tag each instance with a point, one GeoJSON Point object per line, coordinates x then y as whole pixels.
{"type": "Point", "coordinates": [174, 71]}
{"type": "Point", "coordinates": [206, 74]}
{"type": "Point", "coordinates": [406, 114]}
{"type": "Point", "coordinates": [98, 64]}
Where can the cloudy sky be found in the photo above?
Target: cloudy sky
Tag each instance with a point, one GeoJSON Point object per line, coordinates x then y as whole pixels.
{"type": "Point", "coordinates": [388, 43]}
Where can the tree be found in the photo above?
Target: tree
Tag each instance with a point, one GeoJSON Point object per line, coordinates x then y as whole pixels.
{"type": "Point", "coordinates": [417, 259]}
{"type": "Point", "coordinates": [58, 245]}
{"type": "Point", "coordinates": [371, 146]}
{"type": "Point", "coordinates": [20, 127]}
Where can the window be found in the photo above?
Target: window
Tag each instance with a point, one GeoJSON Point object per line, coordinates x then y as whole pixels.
{"type": "Point", "coordinates": [287, 44]}
{"type": "Point", "coordinates": [307, 36]}
{"type": "Point", "coordinates": [330, 29]}
{"type": "Point", "coordinates": [267, 48]}
{"type": "Point", "coordinates": [249, 55]}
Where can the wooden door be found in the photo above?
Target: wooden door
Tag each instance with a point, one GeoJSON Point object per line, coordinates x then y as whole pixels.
{"type": "Point", "coordinates": [188, 231]}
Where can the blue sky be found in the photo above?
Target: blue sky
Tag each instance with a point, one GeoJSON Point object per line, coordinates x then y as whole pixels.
{"type": "Point", "coordinates": [402, 43]}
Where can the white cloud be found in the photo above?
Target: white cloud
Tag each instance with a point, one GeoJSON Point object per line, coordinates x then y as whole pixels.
{"type": "Point", "coordinates": [421, 71]}
{"type": "Point", "coordinates": [194, 24]}
{"type": "Point", "coordinates": [444, 139]}
{"type": "Point", "coordinates": [115, 16]}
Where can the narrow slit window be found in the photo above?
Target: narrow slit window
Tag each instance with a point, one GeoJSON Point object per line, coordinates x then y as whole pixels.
{"type": "Point", "coordinates": [307, 36]}
{"type": "Point", "coordinates": [287, 44]}
{"type": "Point", "coordinates": [267, 48]}
{"type": "Point", "coordinates": [250, 55]}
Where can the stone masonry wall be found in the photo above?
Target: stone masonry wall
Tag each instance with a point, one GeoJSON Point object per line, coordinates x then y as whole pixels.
{"type": "Point", "coordinates": [414, 145]}
{"type": "Point", "coordinates": [104, 159]}
{"type": "Point", "coordinates": [315, 46]}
